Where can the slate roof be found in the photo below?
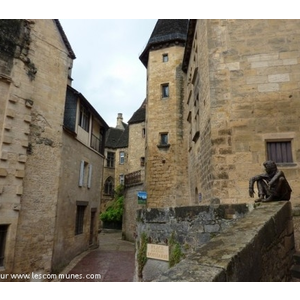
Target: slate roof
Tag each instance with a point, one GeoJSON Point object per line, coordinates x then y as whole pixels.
{"type": "Point", "coordinates": [140, 115]}
{"type": "Point", "coordinates": [117, 138]}
{"type": "Point", "coordinates": [165, 31]}
{"type": "Point", "coordinates": [65, 39]}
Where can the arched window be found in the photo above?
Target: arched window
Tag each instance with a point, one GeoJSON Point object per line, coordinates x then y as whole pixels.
{"type": "Point", "coordinates": [109, 186]}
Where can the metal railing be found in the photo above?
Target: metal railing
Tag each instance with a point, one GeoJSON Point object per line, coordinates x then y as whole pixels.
{"type": "Point", "coordinates": [96, 143]}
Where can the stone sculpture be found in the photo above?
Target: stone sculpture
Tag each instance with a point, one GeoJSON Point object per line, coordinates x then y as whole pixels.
{"type": "Point", "coordinates": [272, 186]}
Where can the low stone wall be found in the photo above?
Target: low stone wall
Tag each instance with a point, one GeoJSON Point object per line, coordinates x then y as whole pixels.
{"type": "Point", "coordinates": [129, 214]}
{"type": "Point", "coordinates": [256, 247]}
{"type": "Point", "coordinates": [184, 229]}
{"type": "Point", "coordinates": [296, 220]}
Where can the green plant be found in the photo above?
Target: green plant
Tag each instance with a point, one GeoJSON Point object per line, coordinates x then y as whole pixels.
{"type": "Point", "coordinates": [142, 254]}
{"type": "Point", "coordinates": [175, 251]}
{"type": "Point", "coordinates": [114, 213]}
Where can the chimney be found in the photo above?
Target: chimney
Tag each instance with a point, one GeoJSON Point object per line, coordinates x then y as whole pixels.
{"type": "Point", "coordinates": [120, 121]}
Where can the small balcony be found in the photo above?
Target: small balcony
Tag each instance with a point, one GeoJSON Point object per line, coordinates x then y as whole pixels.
{"type": "Point", "coordinates": [134, 178]}
{"type": "Point", "coordinates": [96, 143]}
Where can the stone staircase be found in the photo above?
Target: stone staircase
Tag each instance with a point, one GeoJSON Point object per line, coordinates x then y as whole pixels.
{"type": "Point", "coordinates": [295, 269]}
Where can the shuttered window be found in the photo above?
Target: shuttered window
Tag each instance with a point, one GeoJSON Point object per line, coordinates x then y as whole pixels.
{"type": "Point", "coordinates": [280, 152]}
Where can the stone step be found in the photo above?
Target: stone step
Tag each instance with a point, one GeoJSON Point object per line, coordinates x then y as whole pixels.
{"type": "Point", "coordinates": [295, 271]}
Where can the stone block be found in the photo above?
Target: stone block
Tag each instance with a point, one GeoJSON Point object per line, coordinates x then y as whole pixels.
{"type": "Point", "coordinates": [279, 78]}
{"type": "Point", "coordinates": [4, 155]}
{"type": "Point", "coordinates": [7, 126]}
{"type": "Point", "coordinates": [3, 172]}
{"type": "Point", "coordinates": [20, 173]}
{"type": "Point", "coordinates": [7, 139]}
{"type": "Point", "coordinates": [24, 143]}
{"type": "Point", "coordinates": [27, 118]}
{"type": "Point", "coordinates": [10, 113]}
{"type": "Point", "coordinates": [22, 158]}
{"type": "Point", "coordinates": [291, 61]}
{"type": "Point", "coordinates": [19, 190]}
{"type": "Point", "coordinates": [268, 87]}
{"type": "Point", "coordinates": [263, 57]}
{"type": "Point", "coordinates": [256, 79]}
{"type": "Point", "coordinates": [13, 99]}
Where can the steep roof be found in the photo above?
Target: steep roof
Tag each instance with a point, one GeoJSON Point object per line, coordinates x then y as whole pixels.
{"type": "Point", "coordinates": [70, 105]}
{"type": "Point", "coordinates": [166, 31]}
{"type": "Point", "coordinates": [117, 138]}
{"type": "Point", "coordinates": [139, 115]}
{"type": "Point", "coordinates": [65, 39]}
{"type": "Point", "coordinates": [189, 44]}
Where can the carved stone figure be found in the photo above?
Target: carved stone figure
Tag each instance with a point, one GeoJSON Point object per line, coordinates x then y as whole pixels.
{"type": "Point", "coordinates": [272, 186]}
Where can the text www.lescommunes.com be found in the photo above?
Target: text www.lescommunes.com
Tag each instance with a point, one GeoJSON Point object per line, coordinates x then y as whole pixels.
{"type": "Point", "coordinates": [39, 277]}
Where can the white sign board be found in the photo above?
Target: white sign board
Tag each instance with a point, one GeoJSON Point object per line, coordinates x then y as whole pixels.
{"type": "Point", "coordinates": [160, 252]}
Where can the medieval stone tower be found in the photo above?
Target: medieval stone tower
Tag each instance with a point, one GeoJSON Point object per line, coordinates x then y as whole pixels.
{"type": "Point", "coordinates": [166, 157]}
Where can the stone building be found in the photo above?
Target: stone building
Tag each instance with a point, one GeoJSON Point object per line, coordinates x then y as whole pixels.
{"type": "Point", "coordinates": [116, 154]}
{"type": "Point", "coordinates": [51, 152]}
{"type": "Point", "coordinates": [222, 98]}
{"type": "Point", "coordinates": [135, 178]}
{"type": "Point", "coordinates": [166, 167]}
{"type": "Point", "coordinates": [241, 105]}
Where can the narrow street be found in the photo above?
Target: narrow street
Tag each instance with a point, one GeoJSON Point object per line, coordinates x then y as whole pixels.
{"type": "Point", "coordinates": [113, 261]}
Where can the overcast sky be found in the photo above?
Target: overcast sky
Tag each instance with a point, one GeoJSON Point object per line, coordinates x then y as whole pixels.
{"type": "Point", "coordinates": [107, 69]}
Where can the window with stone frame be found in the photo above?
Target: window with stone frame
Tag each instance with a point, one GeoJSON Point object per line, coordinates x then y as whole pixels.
{"type": "Point", "coordinates": [164, 139]}
{"type": "Point", "coordinates": [122, 158]}
{"type": "Point", "coordinates": [110, 160]}
{"type": "Point", "coordinates": [80, 209]}
{"type": "Point", "coordinates": [280, 151]}
{"type": "Point", "coordinates": [165, 57]}
{"type": "Point", "coordinates": [109, 186]}
{"type": "Point", "coordinates": [165, 90]}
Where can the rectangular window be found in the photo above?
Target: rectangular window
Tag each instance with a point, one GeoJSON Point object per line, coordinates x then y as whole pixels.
{"type": "Point", "coordinates": [110, 160]}
{"type": "Point", "coordinates": [122, 157]}
{"type": "Point", "coordinates": [280, 152]}
{"type": "Point", "coordinates": [165, 57]}
{"type": "Point", "coordinates": [143, 132]}
{"type": "Point", "coordinates": [142, 161]}
{"type": "Point", "coordinates": [164, 139]}
{"type": "Point", "coordinates": [3, 233]}
{"type": "Point", "coordinates": [80, 218]}
{"type": "Point", "coordinates": [121, 179]}
{"type": "Point", "coordinates": [84, 118]}
{"type": "Point", "coordinates": [165, 90]}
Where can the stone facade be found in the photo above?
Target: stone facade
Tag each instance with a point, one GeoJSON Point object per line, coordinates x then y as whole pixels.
{"type": "Point", "coordinates": [37, 175]}
{"type": "Point", "coordinates": [244, 76]}
{"type": "Point", "coordinates": [242, 244]}
{"type": "Point", "coordinates": [166, 161]}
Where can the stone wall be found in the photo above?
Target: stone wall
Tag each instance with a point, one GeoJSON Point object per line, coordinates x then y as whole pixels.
{"type": "Point", "coordinates": [66, 243]}
{"type": "Point", "coordinates": [33, 80]}
{"type": "Point", "coordinates": [258, 247]}
{"type": "Point", "coordinates": [296, 219]}
{"type": "Point", "coordinates": [190, 227]}
{"type": "Point", "coordinates": [248, 84]}
{"type": "Point", "coordinates": [129, 230]}
{"type": "Point", "coordinates": [166, 165]}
